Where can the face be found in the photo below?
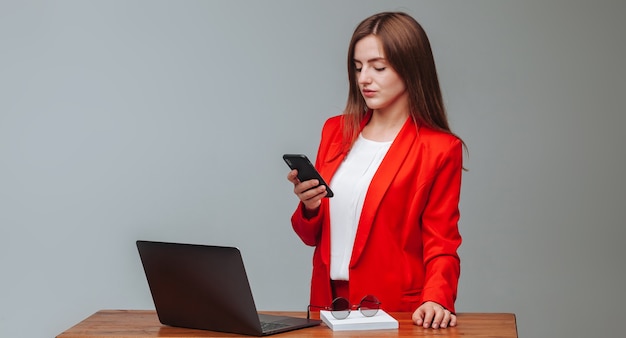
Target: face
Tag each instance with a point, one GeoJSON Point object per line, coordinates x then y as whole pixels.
{"type": "Point", "coordinates": [381, 87]}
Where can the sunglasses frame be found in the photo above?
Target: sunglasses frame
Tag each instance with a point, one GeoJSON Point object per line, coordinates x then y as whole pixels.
{"type": "Point", "coordinates": [346, 308]}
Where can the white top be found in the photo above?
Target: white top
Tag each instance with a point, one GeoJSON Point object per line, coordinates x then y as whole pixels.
{"type": "Point", "coordinates": [350, 184]}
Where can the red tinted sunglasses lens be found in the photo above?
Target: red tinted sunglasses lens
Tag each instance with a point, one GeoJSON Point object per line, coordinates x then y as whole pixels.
{"type": "Point", "coordinates": [369, 306]}
{"type": "Point", "coordinates": [340, 308]}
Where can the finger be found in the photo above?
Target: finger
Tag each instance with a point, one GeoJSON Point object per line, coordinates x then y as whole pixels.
{"type": "Point", "coordinates": [292, 176]}
{"type": "Point", "coordinates": [439, 314]}
{"type": "Point", "coordinates": [418, 317]}
{"type": "Point", "coordinates": [312, 198]}
{"type": "Point", "coordinates": [312, 195]}
{"type": "Point", "coordinates": [452, 320]}
{"type": "Point", "coordinates": [446, 319]}
{"type": "Point", "coordinates": [429, 314]}
{"type": "Point", "coordinates": [302, 187]}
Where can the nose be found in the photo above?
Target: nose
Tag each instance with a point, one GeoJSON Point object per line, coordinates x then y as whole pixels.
{"type": "Point", "coordinates": [363, 77]}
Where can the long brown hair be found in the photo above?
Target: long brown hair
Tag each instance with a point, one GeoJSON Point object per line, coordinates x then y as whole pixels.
{"type": "Point", "coordinates": [407, 49]}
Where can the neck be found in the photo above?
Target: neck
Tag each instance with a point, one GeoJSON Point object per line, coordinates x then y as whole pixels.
{"type": "Point", "coordinates": [384, 127]}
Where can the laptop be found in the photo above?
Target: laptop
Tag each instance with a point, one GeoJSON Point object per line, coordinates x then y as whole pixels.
{"type": "Point", "coordinates": [206, 287]}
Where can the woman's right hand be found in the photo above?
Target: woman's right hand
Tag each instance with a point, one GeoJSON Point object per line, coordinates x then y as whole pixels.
{"type": "Point", "coordinates": [309, 192]}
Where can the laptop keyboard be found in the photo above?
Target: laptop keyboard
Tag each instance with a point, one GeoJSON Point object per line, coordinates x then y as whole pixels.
{"type": "Point", "coordinates": [271, 326]}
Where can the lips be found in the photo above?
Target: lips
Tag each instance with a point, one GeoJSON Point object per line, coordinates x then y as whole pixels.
{"type": "Point", "coordinates": [368, 93]}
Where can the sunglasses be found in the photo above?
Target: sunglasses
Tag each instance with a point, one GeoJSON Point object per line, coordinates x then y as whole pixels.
{"type": "Point", "coordinates": [340, 307]}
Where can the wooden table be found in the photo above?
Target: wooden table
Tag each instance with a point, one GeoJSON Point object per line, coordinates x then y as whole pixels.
{"type": "Point", "coordinates": [145, 323]}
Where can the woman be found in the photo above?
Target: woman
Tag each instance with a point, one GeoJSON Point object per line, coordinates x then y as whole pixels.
{"type": "Point", "coordinates": [395, 168]}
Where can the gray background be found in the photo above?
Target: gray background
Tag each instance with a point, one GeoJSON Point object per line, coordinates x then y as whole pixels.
{"type": "Point", "coordinates": [166, 120]}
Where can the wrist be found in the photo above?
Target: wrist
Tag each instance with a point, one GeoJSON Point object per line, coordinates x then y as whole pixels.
{"type": "Point", "coordinates": [309, 213]}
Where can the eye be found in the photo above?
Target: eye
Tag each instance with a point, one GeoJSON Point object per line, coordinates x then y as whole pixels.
{"type": "Point", "coordinates": [380, 69]}
{"type": "Point", "coordinates": [357, 69]}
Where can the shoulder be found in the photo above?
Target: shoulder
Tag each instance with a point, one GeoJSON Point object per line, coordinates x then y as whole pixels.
{"type": "Point", "coordinates": [440, 144]}
{"type": "Point", "coordinates": [437, 138]}
{"type": "Point", "coordinates": [333, 126]}
{"type": "Point", "coordinates": [334, 122]}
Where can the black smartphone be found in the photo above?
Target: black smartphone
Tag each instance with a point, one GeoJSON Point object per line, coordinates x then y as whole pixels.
{"type": "Point", "coordinates": [306, 170]}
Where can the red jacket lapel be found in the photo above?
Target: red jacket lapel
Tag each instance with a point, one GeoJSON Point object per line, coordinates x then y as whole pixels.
{"type": "Point", "coordinates": [380, 183]}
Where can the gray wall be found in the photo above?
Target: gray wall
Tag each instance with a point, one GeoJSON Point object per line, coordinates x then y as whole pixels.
{"type": "Point", "coordinates": [166, 120]}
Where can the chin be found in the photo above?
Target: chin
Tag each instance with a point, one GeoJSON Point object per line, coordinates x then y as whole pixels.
{"type": "Point", "coordinates": [374, 105]}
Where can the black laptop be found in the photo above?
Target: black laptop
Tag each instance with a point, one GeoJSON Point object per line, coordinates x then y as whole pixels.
{"type": "Point", "coordinates": [206, 287]}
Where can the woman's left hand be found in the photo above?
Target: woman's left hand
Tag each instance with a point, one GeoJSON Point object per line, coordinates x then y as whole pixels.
{"type": "Point", "coordinates": [431, 314]}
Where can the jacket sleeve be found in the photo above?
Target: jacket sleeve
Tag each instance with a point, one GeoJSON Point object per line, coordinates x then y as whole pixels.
{"type": "Point", "coordinates": [309, 229]}
{"type": "Point", "coordinates": [440, 230]}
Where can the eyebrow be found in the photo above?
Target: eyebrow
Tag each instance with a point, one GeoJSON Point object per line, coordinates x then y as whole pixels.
{"type": "Point", "coordinates": [371, 60]}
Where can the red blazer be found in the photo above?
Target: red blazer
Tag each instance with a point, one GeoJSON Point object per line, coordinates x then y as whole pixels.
{"type": "Point", "coordinates": [405, 250]}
